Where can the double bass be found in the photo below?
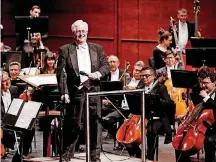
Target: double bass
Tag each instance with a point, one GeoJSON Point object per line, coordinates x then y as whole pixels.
{"type": "Point", "coordinates": [2, 149]}
{"type": "Point", "coordinates": [190, 134]}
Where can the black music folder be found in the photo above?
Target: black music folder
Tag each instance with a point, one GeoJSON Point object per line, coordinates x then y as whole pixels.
{"type": "Point", "coordinates": [183, 78]}
{"type": "Point", "coordinates": [198, 57]}
{"type": "Point", "coordinates": [203, 42]}
{"type": "Point", "coordinates": [152, 104]}
{"type": "Point", "coordinates": [21, 114]}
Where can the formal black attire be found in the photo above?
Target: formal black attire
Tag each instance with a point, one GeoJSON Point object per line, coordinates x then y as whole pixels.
{"type": "Point", "coordinates": [191, 31]}
{"type": "Point", "coordinates": [9, 140]}
{"type": "Point", "coordinates": [210, 136]}
{"type": "Point", "coordinates": [72, 121]}
{"type": "Point", "coordinates": [158, 56]}
{"type": "Point", "coordinates": [163, 124]}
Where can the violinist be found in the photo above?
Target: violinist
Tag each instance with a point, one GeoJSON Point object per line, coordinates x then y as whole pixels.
{"type": "Point", "coordinates": [200, 93]}
{"type": "Point", "coordinates": [49, 64]}
{"type": "Point", "coordinates": [8, 92]}
{"type": "Point", "coordinates": [160, 124]}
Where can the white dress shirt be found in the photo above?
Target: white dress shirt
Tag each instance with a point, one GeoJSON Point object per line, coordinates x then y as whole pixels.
{"type": "Point", "coordinates": [133, 83]}
{"type": "Point", "coordinates": [6, 98]}
{"type": "Point", "coordinates": [148, 88]}
{"type": "Point", "coordinates": [207, 97]}
{"type": "Point", "coordinates": [183, 34]}
{"type": "Point", "coordinates": [115, 75]}
{"type": "Point", "coordinates": [168, 70]}
{"type": "Point", "coordinates": [84, 61]}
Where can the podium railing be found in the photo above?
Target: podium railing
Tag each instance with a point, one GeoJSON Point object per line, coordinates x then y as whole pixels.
{"type": "Point", "coordinates": [113, 93]}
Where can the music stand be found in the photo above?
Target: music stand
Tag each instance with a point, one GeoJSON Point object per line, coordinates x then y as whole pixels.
{"type": "Point", "coordinates": [198, 57]}
{"type": "Point", "coordinates": [203, 42]}
{"type": "Point", "coordinates": [190, 79]}
{"type": "Point", "coordinates": [112, 86]}
{"type": "Point", "coordinates": [152, 102]}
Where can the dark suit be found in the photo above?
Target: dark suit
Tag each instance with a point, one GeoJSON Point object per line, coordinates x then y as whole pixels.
{"type": "Point", "coordinates": [8, 138]}
{"type": "Point", "coordinates": [155, 126]}
{"type": "Point", "coordinates": [191, 31]}
{"type": "Point", "coordinates": [72, 121]}
{"type": "Point", "coordinates": [108, 76]}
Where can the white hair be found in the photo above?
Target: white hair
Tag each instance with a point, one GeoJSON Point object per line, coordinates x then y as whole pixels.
{"type": "Point", "coordinates": [77, 23]}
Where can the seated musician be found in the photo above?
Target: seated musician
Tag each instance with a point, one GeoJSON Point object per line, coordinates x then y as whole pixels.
{"type": "Point", "coordinates": [49, 64]}
{"type": "Point", "coordinates": [8, 93]}
{"type": "Point", "coordinates": [157, 125]}
{"type": "Point", "coordinates": [115, 116]}
{"type": "Point", "coordinates": [114, 75]}
{"type": "Point", "coordinates": [200, 93]}
{"type": "Point", "coordinates": [170, 63]}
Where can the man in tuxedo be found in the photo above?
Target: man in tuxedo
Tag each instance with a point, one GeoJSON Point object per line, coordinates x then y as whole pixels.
{"type": "Point", "coordinates": [8, 93]}
{"type": "Point", "coordinates": [184, 30]}
{"type": "Point", "coordinates": [73, 58]}
{"type": "Point", "coordinates": [201, 93]}
{"type": "Point", "coordinates": [156, 123]}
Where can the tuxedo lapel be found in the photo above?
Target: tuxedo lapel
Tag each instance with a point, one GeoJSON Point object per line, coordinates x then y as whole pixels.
{"type": "Point", "coordinates": [93, 57]}
{"type": "Point", "coordinates": [73, 57]}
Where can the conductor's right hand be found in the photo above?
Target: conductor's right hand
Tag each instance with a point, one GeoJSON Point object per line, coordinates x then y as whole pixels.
{"type": "Point", "coordinates": [65, 98]}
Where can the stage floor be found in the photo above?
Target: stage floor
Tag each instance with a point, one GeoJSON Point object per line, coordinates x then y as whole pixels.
{"type": "Point", "coordinates": [81, 157]}
{"type": "Point", "coordinates": [166, 152]}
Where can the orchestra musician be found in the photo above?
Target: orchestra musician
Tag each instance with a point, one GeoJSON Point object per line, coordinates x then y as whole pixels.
{"type": "Point", "coordinates": [113, 117]}
{"type": "Point", "coordinates": [32, 48]}
{"type": "Point", "coordinates": [49, 64]}
{"type": "Point", "coordinates": [73, 58]}
{"type": "Point", "coordinates": [200, 93]}
{"type": "Point", "coordinates": [8, 92]}
{"type": "Point", "coordinates": [165, 39]}
{"type": "Point", "coordinates": [157, 125]}
{"type": "Point", "coordinates": [184, 29]}
{"type": "Point", "coordinates": [170, 61]}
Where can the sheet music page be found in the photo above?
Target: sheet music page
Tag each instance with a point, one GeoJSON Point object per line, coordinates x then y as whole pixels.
{"type": "Point", "coordinates": [15, 106]}
{"type": "Point", "coordinates": [43, 80]}
{"type": "Point", "coordinates": [29, 111]}
{"type": "Point", "coordinates": [29, 71]}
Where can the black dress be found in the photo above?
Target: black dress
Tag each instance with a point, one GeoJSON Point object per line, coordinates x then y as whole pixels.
{"type": "Point", "coordinates": [158, 55]}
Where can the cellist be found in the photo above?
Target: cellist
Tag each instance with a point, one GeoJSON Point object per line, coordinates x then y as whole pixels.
{"type": "Point", "coordinates": [200, 93]}
{"type": "Point", "coordinates": [162, 123]}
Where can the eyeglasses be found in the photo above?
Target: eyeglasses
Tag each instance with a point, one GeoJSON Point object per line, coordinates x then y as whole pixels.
{"type": "Point", "coordinates": [204, 83]}
{"type": "Point", "coordinates": [81, 31]}
{"type": "Point", "coordinates": [145, 75]}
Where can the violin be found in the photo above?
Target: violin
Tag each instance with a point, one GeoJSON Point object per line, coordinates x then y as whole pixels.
{"type": "Point", "coordinates": [2, 149]}
{"type": "Point", "coordinates": [26, 95]}
{"type": "Point", "coordinates": [190, 134]}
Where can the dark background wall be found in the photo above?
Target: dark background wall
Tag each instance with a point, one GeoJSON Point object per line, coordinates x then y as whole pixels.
{"type": "Point", "coordinates": [126, 28]}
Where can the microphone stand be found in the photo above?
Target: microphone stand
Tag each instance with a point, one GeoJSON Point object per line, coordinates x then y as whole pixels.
{"type": "Point", "coordinates": [62, 110]}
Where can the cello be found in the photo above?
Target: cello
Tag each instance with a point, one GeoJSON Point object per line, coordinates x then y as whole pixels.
{"type": "Point", "coordinates": [130, 130]}
{"type": "Point", "coordinates": [2, 149]}
{"type": "Point", "coordinates": [190, 134]}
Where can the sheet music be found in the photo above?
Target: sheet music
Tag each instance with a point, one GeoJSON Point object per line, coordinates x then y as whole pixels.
{"type": "Point", "coordinates": [15, 106]}
{"type": "Point", "coordinates": [42, 80]}
{"type": "Point", "coordinates": [29, 71]}
{"type": "Point", "coordinates": [29, 111]}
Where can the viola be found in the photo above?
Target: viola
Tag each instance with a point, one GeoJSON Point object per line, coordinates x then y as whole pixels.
{"type": "Point", "coordinates": [190, 134]}
{"type": "Point", "coordinates": [2, 149]}
{"type": "Point", "coordinates": [26, 95]}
